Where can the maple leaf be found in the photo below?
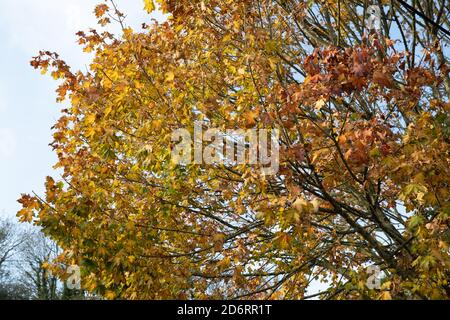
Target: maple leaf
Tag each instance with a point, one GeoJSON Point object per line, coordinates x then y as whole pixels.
{"type": "Point", "coordinates": [381, 78]}
{"type": "Point", "coordinates": [149, 6]}
{"type": "Point", "coordinates": [359, 70]}
{"type": "Point", "coordinates": [319, 104]}
{"type": "Point", "coordinates": [100, 10]}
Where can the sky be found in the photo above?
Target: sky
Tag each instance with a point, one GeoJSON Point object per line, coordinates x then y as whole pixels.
{"type": "Point", "coordinates": [28, 107]}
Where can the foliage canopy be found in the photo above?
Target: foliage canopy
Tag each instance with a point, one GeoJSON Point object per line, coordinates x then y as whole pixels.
{"type": "Point", "coordinates": [364, 164]}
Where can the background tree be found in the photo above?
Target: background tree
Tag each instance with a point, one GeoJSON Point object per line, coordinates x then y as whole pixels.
{"type": "Point", "coordinates": [10, 240]}
{"type": "Point", "coordinates": [35, 253]}
{"type": "Point", "coordinates": [24, 273]}
{"type": "Point", "coordinates": [364, 167]}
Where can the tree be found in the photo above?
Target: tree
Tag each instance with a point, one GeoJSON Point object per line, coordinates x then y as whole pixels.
{"type": "Point", "coordinates": [24, 272]}
{"type": "Point", "coordinates": [35, 253]}
{"type": "Point", "coordinates": [364, 163]}
{"type": "Point", "coordinates": [10, 240]}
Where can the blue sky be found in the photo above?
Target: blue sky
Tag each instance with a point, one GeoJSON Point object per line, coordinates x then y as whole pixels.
{"type": "Point", "coordinates": [27, 99]}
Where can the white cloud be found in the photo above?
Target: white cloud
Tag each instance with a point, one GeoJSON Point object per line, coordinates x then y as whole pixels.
{"type": "Point", "coordinates": [7, 143]}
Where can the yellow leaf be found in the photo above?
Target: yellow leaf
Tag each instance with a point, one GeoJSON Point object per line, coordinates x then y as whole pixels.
{"type": "Point", "coordinates": [107, 111]}
{"type": "Point", "coordinates": [385, 295]}
{"type": "Point", "coordinates": [90, 118]}
{"type": "Point", "coordinates": [320, 104]}
{"type": "Point", "coordinates": [149, 5]}
{"type": "Point", "coordinates": [241, 71]}
{"type": "Point", "coordinates": [218, 239]}
{"type": "Point", "coordinates": [299, 204]}
{"type": "Point", "coordinates": [110, 295]}
{"type": "Point", "coordinates": [170, 76]}
{"type": "Point", "coordinates": [25, 215]}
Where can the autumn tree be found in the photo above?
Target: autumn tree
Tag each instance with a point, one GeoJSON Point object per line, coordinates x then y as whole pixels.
{"type": "Point", "coordinates": [364, 164]}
